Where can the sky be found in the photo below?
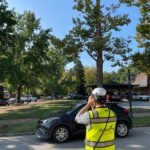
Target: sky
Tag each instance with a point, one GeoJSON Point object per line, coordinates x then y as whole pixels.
{"type": "Point", "coordinates": [58, 14]}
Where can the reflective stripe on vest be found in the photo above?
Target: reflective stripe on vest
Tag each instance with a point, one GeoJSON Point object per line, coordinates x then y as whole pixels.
{"type": "Point", "coordinates": [95, 113]}
{"type": "Point", "coordinates": [101, 144]}
{"type": "Point", "coordinates": [103, 120]}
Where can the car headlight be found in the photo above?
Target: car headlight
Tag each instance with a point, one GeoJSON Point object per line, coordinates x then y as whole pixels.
{"type": "Point", "coordinates": [47, 121]}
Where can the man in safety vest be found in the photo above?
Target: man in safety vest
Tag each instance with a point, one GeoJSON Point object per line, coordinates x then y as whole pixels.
{"type": "Point", "coordinates": [100, 122]}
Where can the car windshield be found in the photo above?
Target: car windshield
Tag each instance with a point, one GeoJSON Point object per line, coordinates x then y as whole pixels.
{"type": "Point", "coordinates": [75, 108]}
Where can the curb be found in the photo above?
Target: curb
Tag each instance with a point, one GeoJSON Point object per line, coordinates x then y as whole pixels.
{"type": "Point", "coordinates": [33, 133]}
{"type": "Point", "coordinates": [16, 134]}
{"type": "Point", "coordinates": [138, 126]}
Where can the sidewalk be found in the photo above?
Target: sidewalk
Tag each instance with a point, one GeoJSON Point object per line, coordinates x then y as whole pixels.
{"type": "Point", "coordinates": [4, 123]}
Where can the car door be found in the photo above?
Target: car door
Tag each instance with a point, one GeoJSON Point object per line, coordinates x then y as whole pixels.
{"type": "Point", "coordinates": [77, 126]}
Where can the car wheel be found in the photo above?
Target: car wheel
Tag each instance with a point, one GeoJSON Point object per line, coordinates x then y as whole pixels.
{"type": "Point", "coordinates": [61, 134]}
{"type": "Point", "coordinates": [122, 129]}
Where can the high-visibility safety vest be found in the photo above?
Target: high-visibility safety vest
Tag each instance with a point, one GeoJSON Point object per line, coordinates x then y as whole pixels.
{"type": "Point", "coordinates": [100, 134]}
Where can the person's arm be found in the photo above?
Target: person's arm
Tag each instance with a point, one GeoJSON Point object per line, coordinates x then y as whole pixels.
{"type": "Point", "coordinates": [87, 106]}
{"type": "Point", "coordinates": [83, 116]}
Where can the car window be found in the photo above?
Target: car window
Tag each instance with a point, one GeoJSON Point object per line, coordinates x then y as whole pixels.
{"type": "Point", "coordinates": [75, 109]}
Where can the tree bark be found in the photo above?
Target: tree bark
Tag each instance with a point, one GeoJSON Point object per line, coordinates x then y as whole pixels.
{"type": "Point", "coordinates": [19, 94]}
{"type": "Point", "coordinates": [99, 61]}
{"type": "Point", "coordinates": [99, 65]}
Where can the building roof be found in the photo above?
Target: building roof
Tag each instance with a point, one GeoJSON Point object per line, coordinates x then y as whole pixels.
{"type": "Point", "coordinates": [142, 80]}
{"type": "Point", "coordinates": [112, 86]}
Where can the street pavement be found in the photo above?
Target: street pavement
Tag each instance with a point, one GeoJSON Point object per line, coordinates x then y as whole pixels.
{"type": "Point", "coordinates": [138, 139]}
{"type": "Point", "coordinates": [136, 104]}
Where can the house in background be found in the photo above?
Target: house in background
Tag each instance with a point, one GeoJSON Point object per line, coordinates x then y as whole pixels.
{"type": "Point", "coordinates": [143, 82]}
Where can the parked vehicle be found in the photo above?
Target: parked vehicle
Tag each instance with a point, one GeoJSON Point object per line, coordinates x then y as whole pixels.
{"type": "Point", "coordinates": [11, 101]}
{"type": "Point", "coordinates": [29, 98]}
{"type": "Point", "coordinates": [3, 103]}
{"type": "Point", "coordinates": [141, 97]}
{"type": "Point", "coordinates": [62, 126]}
{"type": "Point", "coordinates": [76, 96]}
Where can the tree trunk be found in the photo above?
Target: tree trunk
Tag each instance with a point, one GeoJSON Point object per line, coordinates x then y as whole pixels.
{"type": "Point", "coordinates": [99, 62]}
{"type": "Point", "coordinates": [99, 65]}
{"type": "Point", "coordinates": [19, 94]}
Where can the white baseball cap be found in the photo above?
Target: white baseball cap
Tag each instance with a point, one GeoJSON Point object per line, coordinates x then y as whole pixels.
{"type": "Point", "coordinates": [99, 91]}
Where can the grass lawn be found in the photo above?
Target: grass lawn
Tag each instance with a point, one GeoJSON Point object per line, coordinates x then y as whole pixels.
{"type": "Point", "coordinates": [39, 110]}
{"type": "Point", "coordinates": [30, 127]}
{"type": "Point", "coordinates": [141, 121]}
{"type": "Point", "coordinates": [49, 108]}
{"type": "Point", "coordinates": [141, 110]}
{"type": "Point", "coordinates": [22, 128]}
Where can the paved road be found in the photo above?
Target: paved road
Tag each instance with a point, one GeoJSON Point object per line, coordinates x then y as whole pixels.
{"type": "Point", "coordinates": [139, 139]}
{"type": "Point", "coordinates": [136, 104]}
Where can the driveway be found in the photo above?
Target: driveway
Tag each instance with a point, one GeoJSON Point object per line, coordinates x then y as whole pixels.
{"type": "Point", "coordinates": [138, 139]}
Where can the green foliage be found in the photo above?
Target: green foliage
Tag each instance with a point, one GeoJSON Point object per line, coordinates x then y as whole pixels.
{"type": "Point", "coordinates": [7, 22]}
{"type": "Point", "coordinates": [110, 78]}
{"type": "Point", "coordinates": [52, 81]}
{"type": "Point", "coordinates": [122, 73]}
{"type": "Point", "coordinates": [30, 58]}
{"type": "Point", "coordinates": [93, 33]}
{"type": "Point", "coordinates": [73, 80]}
{"type": "Point", "coordinates": [90, 75]}
{"type": "Point", "coordinates": [80, 77]}
{"type": "Point", "coordinates": [142, 60]}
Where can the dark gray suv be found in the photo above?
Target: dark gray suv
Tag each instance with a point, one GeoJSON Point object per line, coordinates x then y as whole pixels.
{"type": "Point", "coordinates": [62, 126]}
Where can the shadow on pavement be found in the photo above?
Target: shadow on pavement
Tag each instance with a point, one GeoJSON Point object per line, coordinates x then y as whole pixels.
{"type": "Point", "coordinates": [138, 139]}
{"type": "Point", "coordinates": [76, 142]}
{"type": "Point", "coordinates": [17, 143]}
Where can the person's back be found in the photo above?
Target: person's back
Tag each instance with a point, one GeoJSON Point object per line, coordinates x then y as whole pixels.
{"type": "Point", "coordinates": [100, 122]}
{"type": "Point", "coordinates": [100, 132]}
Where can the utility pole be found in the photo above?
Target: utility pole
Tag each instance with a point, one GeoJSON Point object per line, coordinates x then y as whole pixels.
{"type": "Point", "coordinates": [130, 92]}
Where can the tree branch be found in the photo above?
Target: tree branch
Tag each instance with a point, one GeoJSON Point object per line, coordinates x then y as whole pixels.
{"type": "Point", "coordinates": [91, 54]}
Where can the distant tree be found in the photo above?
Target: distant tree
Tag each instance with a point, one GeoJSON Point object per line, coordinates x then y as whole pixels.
{"type": "Point", "coordinates": [52, 81]}
{"type": "Point", "coordinates": [69, 82]}
{"type": "Point", "coordinates": [122, 73]}
{"type": "Point", "coordinates": [93, 33]}
{"type": "Point", "coordinates": [90, 75]}
{"type": "Point", "coordinates": [26, 60]}
{"type": "Point", "coordinates": [110, 77]}
{"type": "Point", "coordinates": [80, 77]}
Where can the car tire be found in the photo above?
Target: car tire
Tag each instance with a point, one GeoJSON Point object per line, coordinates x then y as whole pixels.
{"type": "Point", "coordinates": [122, 129]}
{"type": "Point", "coordinates": [61, 134]}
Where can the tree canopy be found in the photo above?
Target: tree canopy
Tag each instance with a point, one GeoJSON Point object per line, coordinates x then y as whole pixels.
{"type": "Point", "coordinates": [93, 33]}
{"type": "Point", "coordinates": [142, 59]}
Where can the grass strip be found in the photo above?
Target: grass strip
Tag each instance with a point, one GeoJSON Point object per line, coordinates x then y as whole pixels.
{"type": "Point", "coordinates": [141, 121]}
{"type": "Point", "coordinates": [141, 110]}
{"type": "Point", "coordinates": [30, 127]}
{"type": "Point", "coordinates": [21, 128]}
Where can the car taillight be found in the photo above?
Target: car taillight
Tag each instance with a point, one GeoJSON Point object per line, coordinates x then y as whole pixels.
{"type": "Point", "coordinates": [126, 110]}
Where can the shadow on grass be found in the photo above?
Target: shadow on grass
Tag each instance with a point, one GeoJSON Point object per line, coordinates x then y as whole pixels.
{"type": "Point", "coordinates": [38, 111]}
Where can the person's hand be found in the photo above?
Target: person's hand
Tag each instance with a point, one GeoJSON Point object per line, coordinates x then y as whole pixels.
{"type": "Point", "coordinates": [91, 101]}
